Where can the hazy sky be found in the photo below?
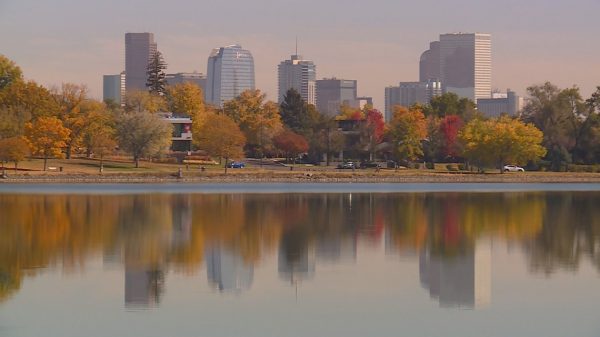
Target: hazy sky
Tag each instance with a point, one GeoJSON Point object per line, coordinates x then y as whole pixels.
{"type": "Point", "coordinates": [376, 42]}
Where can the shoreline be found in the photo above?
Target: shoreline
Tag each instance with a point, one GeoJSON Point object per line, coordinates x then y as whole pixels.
{"type": "Point", "coordinates": [306, 177]}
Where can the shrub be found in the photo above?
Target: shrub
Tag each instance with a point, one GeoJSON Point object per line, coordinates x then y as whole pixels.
{"type": "Point", "coordinates": [430, 165]}
{"type": "Point", "coordinates": [462, 167]}
{"type": "Point", "coordinates": [450, 167]}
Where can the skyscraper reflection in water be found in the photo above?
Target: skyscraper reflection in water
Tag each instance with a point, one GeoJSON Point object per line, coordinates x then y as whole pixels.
{"type": "Point", "coordinates": [461, 280]}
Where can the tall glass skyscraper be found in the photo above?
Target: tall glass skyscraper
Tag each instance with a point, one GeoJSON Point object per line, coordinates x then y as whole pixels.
{"type": "Point", "coordinates": [230, 72]}
{"type": "Point", "coordinates": [139, 48]}
{"type": "Point", "coordinates": [298, 74]}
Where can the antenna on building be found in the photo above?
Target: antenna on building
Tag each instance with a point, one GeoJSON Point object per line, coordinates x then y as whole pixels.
{"type": "Point", "coordinates": [296, 44]}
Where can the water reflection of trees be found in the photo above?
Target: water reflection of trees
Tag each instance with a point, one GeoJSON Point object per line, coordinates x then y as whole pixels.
{"type": "Point", "coordinates": [150, 234]}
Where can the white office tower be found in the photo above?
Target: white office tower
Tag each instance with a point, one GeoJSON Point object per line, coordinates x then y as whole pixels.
{"type": "Point", "coordinates": [230, 72]}
{"type": "Point", "coordinates": [466, 64]}
{"type": "Point", "coordinates": [298, 74]}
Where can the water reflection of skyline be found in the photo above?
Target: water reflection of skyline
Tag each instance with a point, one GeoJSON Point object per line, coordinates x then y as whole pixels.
{"type": "Point", "coordinates": [229, 235]}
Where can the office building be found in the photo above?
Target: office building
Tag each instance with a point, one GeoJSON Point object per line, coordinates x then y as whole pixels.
{"type": "Point", "coordinates": [298, 74]}
{"type": "Point", "coordinates": [113, 88]}
{"type": "Point", "coordinates": [407, 94]}
{"type": "Point", "coordinates": [198, 79]}
{"type": "Point", "coordinates": [429, 64]}
{"type": "Point", "coordinates": [139, 48]}
{"type": "Point", "coordinates": [501, 103]}
{"type": "Point", "coordinates": [466, 64]}
{"type": "Point", "coordinates": [333, 92]}
{"type": "Point", "coordinates": [230, 72]}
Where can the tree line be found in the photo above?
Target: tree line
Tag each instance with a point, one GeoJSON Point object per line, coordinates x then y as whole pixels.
{"type": "Point", "coordinates": [557, 127]}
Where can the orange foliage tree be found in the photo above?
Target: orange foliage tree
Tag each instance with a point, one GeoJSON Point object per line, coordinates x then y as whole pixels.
{"type": "Point", "coordinates": [47, 137]}
{"type": "Point", "coordinates": [290, 143]}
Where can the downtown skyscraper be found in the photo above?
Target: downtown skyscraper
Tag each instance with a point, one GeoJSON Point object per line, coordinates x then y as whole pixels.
{"type": "Point", "coordinates": [139, 48]}
{"type": "Point", "coordinates": [230, 71]}
{"type": "Point", "coordinates": [298, 74]}
{"type": "Point", "coordinates": [466, 64]}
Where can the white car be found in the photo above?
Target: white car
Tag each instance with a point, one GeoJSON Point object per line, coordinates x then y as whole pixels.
{"type": "Point", "coordinates": [513, 168]}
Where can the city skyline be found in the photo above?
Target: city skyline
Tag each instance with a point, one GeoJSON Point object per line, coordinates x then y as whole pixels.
{"type": "Point", "coordinates": [528, 47]}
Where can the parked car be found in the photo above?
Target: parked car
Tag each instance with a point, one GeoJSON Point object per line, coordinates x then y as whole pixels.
{"type": "Point", "coordinates": [236, 164]}
{"type": "Point", "coordinates": [369, 164]}
{"type": "Point", "coordinates": [347, 165]}
{"type": "Point", "coordinates": [513, 168]}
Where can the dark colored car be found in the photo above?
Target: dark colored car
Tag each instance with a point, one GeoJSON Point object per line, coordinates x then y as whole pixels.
{"type": "Point", "coordinates": [369, 164]}
{"type": "Point", "coordinates": [236, 164]}
{"type": "Point", "coordinates": [347, 165]}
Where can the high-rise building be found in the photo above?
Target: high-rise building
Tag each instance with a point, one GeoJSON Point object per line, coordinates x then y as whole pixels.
{"type": "Point", "coordinates": [408, 93]}
{"type": "Point", "coordinates": [501, 103]}
{"type": "Point", "coordinates": [139, 48]}
{"type": "Point", "coordinates": [298, 74]}
{"type": "Point", "coordinates": [228, 270]}
{"type": "Point", "coordinates": [429, 64]}
{"type": "Point", "coordinates": [466, 64]}
{"type": "Point", "coordinates": [197, 78]}
{"type": "Point", "coordinates": [333, 92]}
{"type": "Point", "coordinates": [113, 88]}
{"type": "Point", "coordinates": [230, 72]}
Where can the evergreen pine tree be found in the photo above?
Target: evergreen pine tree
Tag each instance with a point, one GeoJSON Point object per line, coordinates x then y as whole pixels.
{"type": "Point", "coordinates": [294, 112]}
{"type": "Point", "coordinates": [156, 82]}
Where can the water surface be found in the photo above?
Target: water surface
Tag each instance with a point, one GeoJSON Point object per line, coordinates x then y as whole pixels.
{"type": "Point", "coordinates": [110, 262]}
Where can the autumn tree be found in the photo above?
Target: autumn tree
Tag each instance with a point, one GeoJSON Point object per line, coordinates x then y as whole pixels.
{"type": "Point", "coordinates": [70, 98]}
{"type": "Point", "coordinates": [372, 131]}
{"type": "Point", "coordinates": [46, 137]}
{"type": "Point", "coordinates": [220, 136]}
{"type": "Point", "coordinates": [13, 150]}
{"type": "Point", "coordinates": [290, 143]}
{"type": "Point", "coordinates": [258, 120]}
{"type": "Point", "coordinates": [434, 144]}
{"type": "Point", "coordinates": [99, 120]}
{"type": "Point", "coordinates": [139, 101]}
{"type": "Point", "coordinates": [501, 141]}
{"type": "Point", "coordinates": [155, 74]}
{"type": "Point", "coordinates": [102, 144]}
{"type": "Point", "coordinates": [450, 125]}
{"type": "Point", "coordinates": [29, 100]}
{"type": "Point", "coordinates": [407, 130]}
{"type": "Point", "coordinates": [186, 99]}
{"type": "Point", "coordinates": [143, 135]}
{"type": "Point", "coordinates": [9, 72]}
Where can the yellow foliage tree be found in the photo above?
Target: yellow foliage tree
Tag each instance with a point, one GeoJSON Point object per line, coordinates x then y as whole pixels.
{"type": "Point", "coordinates": [407, 130]}
{"type": "Point", "coordinates": [139, 101]}
{"type": "Point", "coordinates": [186, 98]}
{"type": "Point", "coordinates": [47, 137]}
{"type": "Point", "coordinates": [257, 119]}
{"type": "Point", "coordinates": [501, 141]}
{"type": "Point", "coordinates": [13, 150]}
{"type": "Point", "coordinates": [220, 136]}
{"type": "Point", "coordinates": [71, 98]}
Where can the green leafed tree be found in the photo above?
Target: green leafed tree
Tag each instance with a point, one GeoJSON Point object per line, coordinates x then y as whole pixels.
{"type": "Point", "coordinates": [155, 74]}
{"type": "Point", "coordinates": [143, 135]}
{"type": "Point", "coordinates": [294, 112]}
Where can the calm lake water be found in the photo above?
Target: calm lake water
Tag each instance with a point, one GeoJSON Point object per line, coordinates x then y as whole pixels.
{"type": "Point", "coordinates": [367, 260]}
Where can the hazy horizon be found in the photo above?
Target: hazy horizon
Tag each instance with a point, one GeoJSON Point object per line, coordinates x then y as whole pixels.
{"type": "Point", "coordinates": [378, 45]}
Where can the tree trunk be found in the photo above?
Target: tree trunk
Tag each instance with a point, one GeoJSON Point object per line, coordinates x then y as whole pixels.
{"type": "Point", "coordinates": [137, 162]}
{"type": "Point", "coordinates": [3, 169]}
{"type": "Point", "coordinates": [226, 160]}
{"type": "Point", "coordinates": [16, 166]}
{"type": "Point", "coordinates": [69, 151]}
{"type": "Point", "coordinates": [45, 163]}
